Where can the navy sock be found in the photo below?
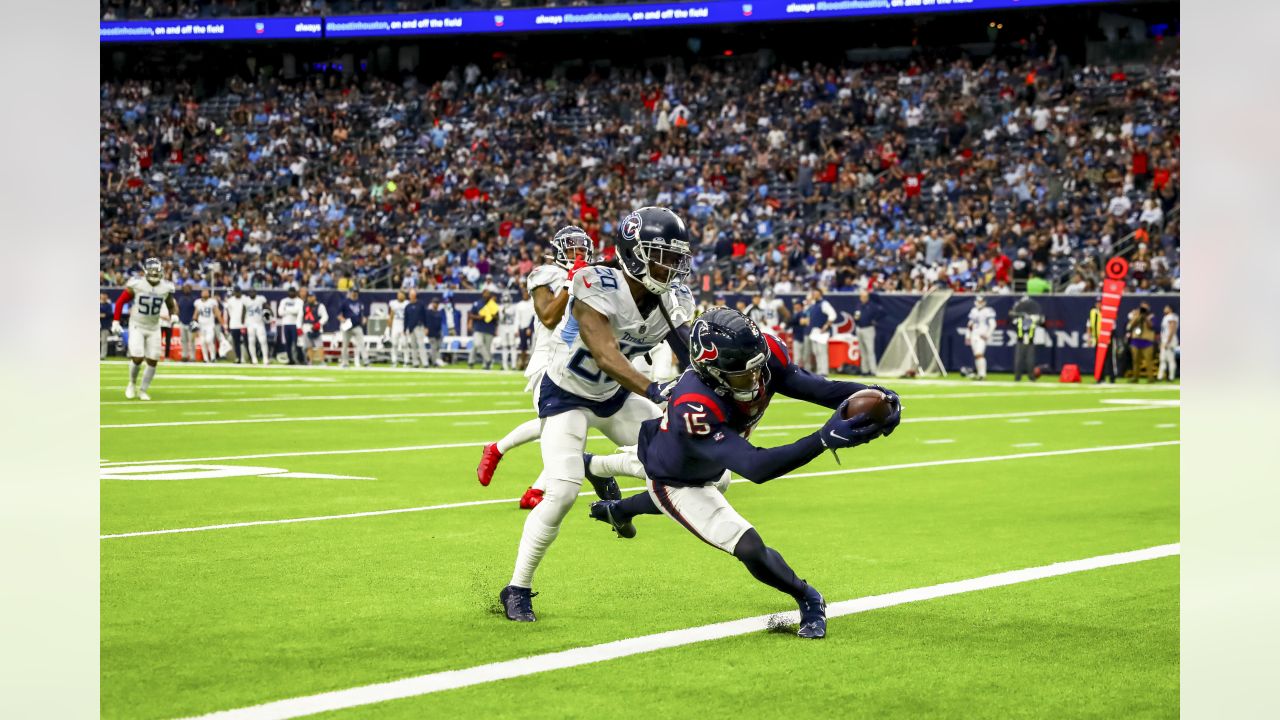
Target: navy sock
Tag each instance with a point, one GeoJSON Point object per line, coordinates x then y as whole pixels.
{"type": "Point", "coordinates": [641, 504]}
{"type": "Point", "coordinates": [766, 565]}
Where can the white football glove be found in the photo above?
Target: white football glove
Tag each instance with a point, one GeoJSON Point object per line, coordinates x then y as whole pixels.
{"type": "Point", "coordinates": [115, 327]}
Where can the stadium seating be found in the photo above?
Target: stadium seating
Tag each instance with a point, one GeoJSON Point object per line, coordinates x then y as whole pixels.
{"type": "Point", "coordinates": [973, 174]}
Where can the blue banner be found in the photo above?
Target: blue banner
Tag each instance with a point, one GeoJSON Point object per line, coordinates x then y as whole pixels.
{"type": "Point", "coordinates": [1063, 341]}
{"type": "Point", "coordinates": [525, 20]}
{"type": "Point", "coordinates": [278, 28]}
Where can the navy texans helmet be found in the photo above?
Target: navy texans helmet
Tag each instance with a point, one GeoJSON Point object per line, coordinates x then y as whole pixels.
{"type": "Point", "coordinates": [569, 242]}
{"type": "Point", "coordinates": [728, 352]}
{"type": "Point", "coordinates": [653, 246]}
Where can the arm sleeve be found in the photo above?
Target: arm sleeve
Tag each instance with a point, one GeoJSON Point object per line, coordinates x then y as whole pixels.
{"type": "Point", "coordinates": [796, 382]}
{"type": "Point", "coordinates": [759, 465]}
{"type": "Point", "coordinates": [679, 342]}
{"type": "Point", "coordinates": [120, 301]}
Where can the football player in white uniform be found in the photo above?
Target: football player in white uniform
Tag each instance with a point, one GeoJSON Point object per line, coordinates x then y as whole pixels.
{"type": "Point", "coordinates": [148, 294]}
{"type": "Point", "coordinates": [549, 286]}
{"type": "Point", "coordinates": [255, 326]}
{"type": "Point", "coordinates": [234, 317]}
{"type": "Point", "coordinates": [616, 313]}
{"type": "Point", "coordinates": [399, 343]}
{"type": "Point", "coordinates": [208, 318]}
{"type": "Point", "coordinates": [982, 325]}
{"type": "Point", "coordinates": [508, 336]}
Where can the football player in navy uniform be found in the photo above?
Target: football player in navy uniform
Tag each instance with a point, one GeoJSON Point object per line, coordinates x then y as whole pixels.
{"type": "Point", "coordinates": [617, 312]}
{"type": "Point", "coordinates": [688, 452]}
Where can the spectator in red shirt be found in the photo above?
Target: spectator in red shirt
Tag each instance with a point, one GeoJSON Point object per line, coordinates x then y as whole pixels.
{"type": "Point", "coordinates": [1001, 264]}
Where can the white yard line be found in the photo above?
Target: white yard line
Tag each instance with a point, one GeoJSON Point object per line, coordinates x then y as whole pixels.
{"type": "Point", "coordinates": [825, 473]}
{"type": "Point", "coordinates": [1026, 445]}
{"type": "Point", "coordinates": [772, 430]}
{"type": "Point", "coordinates": [579, 656]}
{"type": "Point", "coordinates": [529, 411]}
{"type": "Point", "coordinates": [939, 441]}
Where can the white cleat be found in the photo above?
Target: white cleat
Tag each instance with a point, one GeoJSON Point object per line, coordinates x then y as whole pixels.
{"type": "Point", "coordinates": [142, 395]}
{"type": "Point", "coordinates": [128, 392]}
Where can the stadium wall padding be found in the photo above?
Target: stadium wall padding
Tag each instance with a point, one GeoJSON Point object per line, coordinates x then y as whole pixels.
{"type": "Point", "coordinates": [1066, 320]}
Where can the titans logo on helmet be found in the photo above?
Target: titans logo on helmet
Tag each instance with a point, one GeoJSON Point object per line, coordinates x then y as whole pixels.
{"type": "Point", "coordinates": [631, 226]}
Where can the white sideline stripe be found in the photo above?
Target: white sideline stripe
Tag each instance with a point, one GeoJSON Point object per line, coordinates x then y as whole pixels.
{"type": "Point", "coordinates": [575, 657]}
{"type": "Point", "coordinates": [443, 392]}
{"type": "Point", "coordinates": [529, 410]}
{"type": "Point", "coordinates": [825, 473]}
{"type": "Point", "coordinates": [481, 443]}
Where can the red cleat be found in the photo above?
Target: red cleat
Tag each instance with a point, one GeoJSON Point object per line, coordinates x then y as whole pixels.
{"type": "Point", "coordinates": [531, 498]}
{"type": "Point", "coordinates": [489, 459]}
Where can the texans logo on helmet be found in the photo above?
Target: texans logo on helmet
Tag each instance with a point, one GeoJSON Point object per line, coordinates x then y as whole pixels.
{"type": "Point", "coordinates": [708, 353]}
{"type": "Point", "coordinates": [631, 226]}
{"type": "Point", "coordinates": [846, 323]}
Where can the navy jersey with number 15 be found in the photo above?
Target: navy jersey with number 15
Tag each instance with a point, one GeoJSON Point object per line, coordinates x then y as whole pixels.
{"type": "Point", "coordinates": [702, 434]}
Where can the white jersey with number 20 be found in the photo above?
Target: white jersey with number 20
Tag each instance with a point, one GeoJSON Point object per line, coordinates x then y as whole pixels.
{"type": "Point", "coordinates": [605, 290]}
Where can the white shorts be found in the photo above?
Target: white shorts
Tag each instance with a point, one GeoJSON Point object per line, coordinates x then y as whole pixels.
{"type": "Point", "coordinates": [703, 511]}
{"type": "Point", "coordinates": [144, 343]}
{"type": "Point", "coordinates": [564, 435]}
{"type": "Point", "coordinates": [978, 344]}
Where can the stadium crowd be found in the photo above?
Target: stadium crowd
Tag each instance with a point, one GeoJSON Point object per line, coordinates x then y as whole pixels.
{"type": "Point", "coordinates": [996, 175]}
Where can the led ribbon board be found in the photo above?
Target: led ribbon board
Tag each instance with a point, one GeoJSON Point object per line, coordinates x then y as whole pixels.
{"type": "Point", "coordinates": [526, 20]}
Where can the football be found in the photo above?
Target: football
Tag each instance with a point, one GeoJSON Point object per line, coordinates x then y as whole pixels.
{"type": "Point", "coordinates": [868, 401]}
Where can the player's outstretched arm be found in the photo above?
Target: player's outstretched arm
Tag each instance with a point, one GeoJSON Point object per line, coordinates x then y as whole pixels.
{"type": "Point", "coordinates": [760, 465]}
{"type": "Point", "coordinates": [796, 382]}
{"type": "Point", "coordinates": [596, 333]}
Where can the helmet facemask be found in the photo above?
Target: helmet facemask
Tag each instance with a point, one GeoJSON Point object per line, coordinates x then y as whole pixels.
{"type": "Point", "coordinates": [570, 244]}
{"type": "Point", "coordinates": [664, 261]}
{"type": "Point", "coordinates": [744, 385]}
{"type": "Point", "coordinates": [152, 270]}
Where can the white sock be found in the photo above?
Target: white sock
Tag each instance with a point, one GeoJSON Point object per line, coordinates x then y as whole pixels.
{"type": "Point", "coordinates": [540, 483]}
{"type": "Point", "coordinates": [133, 372]}
{"type": "Point", "coordinates": [525, 432]}
{"type": "Point", "coordinates": [982, 366]}
{"type": "Point", "coordinates": [534, 542]}
{"type": "Point", "coordinates": [147, 374]}
{"type": "Point", "coordinates": [619, 463]}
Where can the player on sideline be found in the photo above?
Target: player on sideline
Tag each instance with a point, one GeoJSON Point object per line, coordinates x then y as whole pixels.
{"type": "Point", "coordinates": [254, 317]}
{"type": "Point", "coordinates": [686, 453]}
{"type": "Point", "coordinates": [549, 285]}
{"type": "Point", "coordinates": [617, 312]}
{"type": "Point", "coordinates": [399, 341]}
{"type": "Point", "coordinates": [208, 318]}
{"type": "Point", "coordinates": [982, 325]}
{"type": "Point", "coordinates": [148, 294]}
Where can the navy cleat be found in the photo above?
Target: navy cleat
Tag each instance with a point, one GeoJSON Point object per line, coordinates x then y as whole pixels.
{"type": "Point", "coordinates": [606, 487]}
{"type": "Point", "coordinates": [606, 511]}
{"type": "Point", "coordinates": [518, 603]}
{"type": "Point", "coordinates": [813, 614]}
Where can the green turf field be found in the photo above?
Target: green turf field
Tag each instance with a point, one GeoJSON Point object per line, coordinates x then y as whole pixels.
{"type": "Point", "coordinates": [238, 609]}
